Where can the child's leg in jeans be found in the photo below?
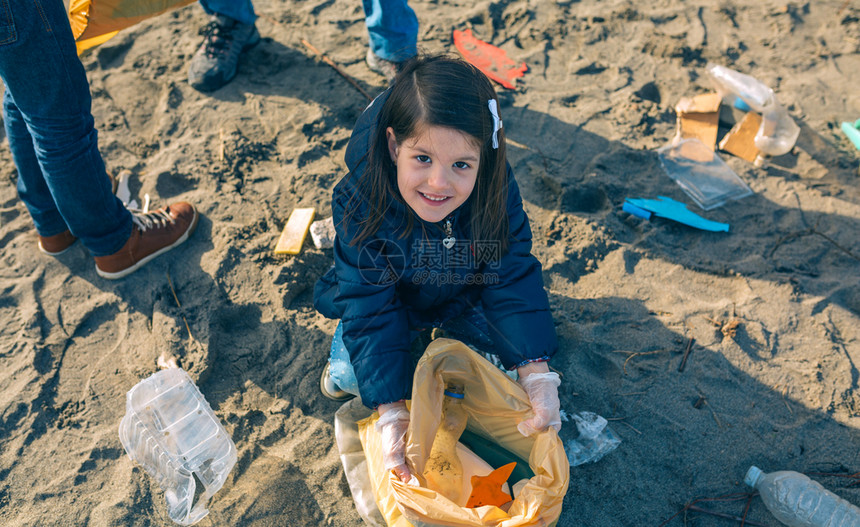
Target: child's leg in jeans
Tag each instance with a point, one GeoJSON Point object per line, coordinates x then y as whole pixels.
{"type": "Point", "coordinates": [340, 368]}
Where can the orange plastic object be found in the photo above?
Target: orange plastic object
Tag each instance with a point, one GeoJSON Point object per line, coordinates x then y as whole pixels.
{"type": "Point", "coordinates": [493, 61]}
{"type": "Point", "coordinates": [487, 490]}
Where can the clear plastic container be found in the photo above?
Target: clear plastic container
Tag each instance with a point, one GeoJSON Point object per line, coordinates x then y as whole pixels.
{"type": "Point", "coordinates": [701, 173]}
{"type": "Point", "coordinates": [778, 132]}
{"type": "Point", "coordinates": [798, 501]}
{"type": "Point", "coordinates": [172, 432]}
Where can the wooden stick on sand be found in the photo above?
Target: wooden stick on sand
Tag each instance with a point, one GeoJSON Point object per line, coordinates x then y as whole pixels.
{"type": "Point", "coordinates": [336, 68]}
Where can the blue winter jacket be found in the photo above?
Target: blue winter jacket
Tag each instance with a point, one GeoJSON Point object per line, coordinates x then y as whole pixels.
{"type": "Point", "coordinates": [389, 283]}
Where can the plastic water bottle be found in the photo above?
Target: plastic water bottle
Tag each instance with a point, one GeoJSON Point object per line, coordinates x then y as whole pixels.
{"type": "Point", "coordinates": [172, 432]}
{"type": "Point", "coordinates": [778, 132]}
{"type": "Point", "coordinates": [798, 501]}
{"type": "Point", "coordinates": [444, 469]}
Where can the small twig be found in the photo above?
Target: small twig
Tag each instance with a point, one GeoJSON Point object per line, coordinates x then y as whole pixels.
{"type": "Point", "coordinates": [784, 393]}
{"type": "Point", "coordinates": [746, 511]}
{"type": "Point", "coordinates": [336, 68]}
{"type": "Point", "coordinates": [686, 354]}
{"type": "Point", "coordinates": [187, 327]}
{"type": "Point", "coordinates": [622, 421]}
{"type": "Point", "coordinates": [695, 508]}
{"type": "Point", "coordinates": [221, 144]}
{"type": "Point", "coordinates": [716, 323]}
{"type": "Point", "coordinates": [637, 354]}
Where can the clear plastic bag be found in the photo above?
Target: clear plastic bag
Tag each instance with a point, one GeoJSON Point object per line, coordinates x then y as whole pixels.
{"type": "Point", "coordinates": [595, 439]}
{"type": "Point", "coordinates": [701, 173]}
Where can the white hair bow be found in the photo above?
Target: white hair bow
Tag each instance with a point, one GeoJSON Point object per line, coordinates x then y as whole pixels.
{"type": "Point", "coordinates": [497, 121]}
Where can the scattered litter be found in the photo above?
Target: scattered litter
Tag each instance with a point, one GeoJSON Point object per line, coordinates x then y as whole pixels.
{"type": "Point", "coordinates": [491, 60]}
{"type": "Point", "coordinates": [702, 174]}
{"type": "Point", "coordinates": [171, 430]}
{"type": "Point", "coordinates": [488, 490]}
{"type": "Point", "coordinates": [595, 439]}
{"type": "Point", "coordinates": [698, 118]}
{"type": "Point", "coordinates": [322, 233]}
{"type": "Point", "coordinates": [778, 132]}
{"type": "Point", "coordinates": [740, 141]}
{"type": "Point", "coordinates": [295, 231]}
{"type": "Point", "coordinates": [671, 210]}
{"type": "Point", "coordinates": [853, 132]}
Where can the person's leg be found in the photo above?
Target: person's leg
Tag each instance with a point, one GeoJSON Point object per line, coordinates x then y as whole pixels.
{"type": "Point", "coordinates": [48, 96]}
{"type": "Point", "coordinates": [230, 32]}
{"type": "Point", "coordinates": [393, 29]}
{"type": "Point", "coordinates": [340, 368]}
{"type": "Point", "coordinates": [241, 10]}
{"type": "Point", "coordinates": [32, 189]}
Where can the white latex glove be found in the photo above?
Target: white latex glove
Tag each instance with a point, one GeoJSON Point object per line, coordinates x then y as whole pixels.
{"type": "Point", "coordinates": [392, 426]}
{"type": "Point", "coordinates": [542, 389]}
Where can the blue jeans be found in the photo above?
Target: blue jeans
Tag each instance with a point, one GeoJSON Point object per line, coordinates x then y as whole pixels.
{"type": "Point", "coordinates": [393, 29]}
{"type": "Point", "coordinates": [52, 136]}
{"type": "Point", "coordinates": [391, 24]}
{"type": "Point", "coordinates": [241, 10]}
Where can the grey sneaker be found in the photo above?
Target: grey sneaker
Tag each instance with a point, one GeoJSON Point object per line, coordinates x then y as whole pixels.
{"type": "Point", "coordinates": [384, 67]}
{"type": "Point", "coordinates": [215, 63]}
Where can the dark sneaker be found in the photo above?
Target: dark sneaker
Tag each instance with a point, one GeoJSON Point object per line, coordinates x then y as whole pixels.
{"type": "Point", "coordinates": [57, 244]}
{"type": "Point", "coordinates": [153, 233]}
{"type": "Point", "coordinates": [330, 389]}
{"type": "Point", "coordinates": [215, 63]}
{"type": "Point", "coordinates": [384, 67]}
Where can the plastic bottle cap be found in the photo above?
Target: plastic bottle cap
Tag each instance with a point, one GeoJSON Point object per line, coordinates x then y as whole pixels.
{"type": "Point", "coordinates": [753, 475]}
{"type": "Point", "coordinates": [454, 394]}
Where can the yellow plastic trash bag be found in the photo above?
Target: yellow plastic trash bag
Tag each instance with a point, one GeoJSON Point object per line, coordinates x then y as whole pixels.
{"type": "Point", "coordinates": [95, 21]}
{"type": "Point", "coordinates": [495, 405]}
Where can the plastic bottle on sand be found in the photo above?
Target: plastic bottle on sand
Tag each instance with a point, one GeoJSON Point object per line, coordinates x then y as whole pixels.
{"type": "Point", "coordinates": [171, 430]}
{"type": "Point", "coordinates": [444, 470]}
{"type": "Point", "coordinates": [798, 501]}
{"type": "Point", "coordinates": [778, 131]}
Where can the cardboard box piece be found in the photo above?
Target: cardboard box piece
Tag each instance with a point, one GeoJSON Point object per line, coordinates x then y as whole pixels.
{"type": "Point", "coordinates": [740, 140]}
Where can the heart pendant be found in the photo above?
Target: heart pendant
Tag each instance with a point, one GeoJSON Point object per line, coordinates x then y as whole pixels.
{"type": "Point", "coordinates": [448, 242]}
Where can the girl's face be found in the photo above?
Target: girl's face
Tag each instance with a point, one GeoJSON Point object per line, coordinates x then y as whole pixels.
{"type": "Point", "coordinates": [436, 170]}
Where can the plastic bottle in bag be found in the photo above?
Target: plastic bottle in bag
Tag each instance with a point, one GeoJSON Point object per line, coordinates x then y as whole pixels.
{"type": "Point", "coordinates": [172, 432]}
{"type": "Point", "coordinates": [444, 469]}
{"type": "Point", "coordinates": [798, 501]}
{"type": "Point", "coordinates": [778, 132]}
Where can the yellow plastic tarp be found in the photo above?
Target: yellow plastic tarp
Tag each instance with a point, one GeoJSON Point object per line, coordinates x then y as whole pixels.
{"type": "Point", "coordinates": [495, 405]}
{"type": "Point", "coordinates": [96, 21]}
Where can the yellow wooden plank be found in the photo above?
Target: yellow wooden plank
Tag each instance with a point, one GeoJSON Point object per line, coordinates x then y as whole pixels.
{"type": "Point", "coordinates": [295, 231]}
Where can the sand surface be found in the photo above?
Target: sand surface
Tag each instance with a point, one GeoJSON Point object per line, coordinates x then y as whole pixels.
{"type": "Point", "coordinates": [773, 306]}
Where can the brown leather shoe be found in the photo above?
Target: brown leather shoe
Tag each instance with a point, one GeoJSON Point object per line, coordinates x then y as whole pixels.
{"type": "Point", "coordinates": [57, 244]}
{"type": "Point", "coordinates": [154, 233]}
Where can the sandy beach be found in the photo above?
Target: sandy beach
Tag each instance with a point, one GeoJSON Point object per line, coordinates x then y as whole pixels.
{"type": "Point", "coordinates": [772, 378]}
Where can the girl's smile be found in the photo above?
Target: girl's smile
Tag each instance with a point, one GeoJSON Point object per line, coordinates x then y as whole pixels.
{"type": "Point", "coordinates": [436, 170]}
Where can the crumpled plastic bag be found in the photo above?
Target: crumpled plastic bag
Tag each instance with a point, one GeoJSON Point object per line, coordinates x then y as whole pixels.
{"type": "Point", "coordinates": [595, 439]}
{"type": "Point", "coordinates": [495, 404]}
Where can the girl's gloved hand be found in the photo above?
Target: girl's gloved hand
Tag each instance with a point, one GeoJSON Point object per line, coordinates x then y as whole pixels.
{"type": "Point", "coordinates": [392, 426]}
{"type": "Point", "coordinates": [542, 387]}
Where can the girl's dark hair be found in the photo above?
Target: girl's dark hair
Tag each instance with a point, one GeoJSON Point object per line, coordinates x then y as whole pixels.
{"type": "Point", "coordinates": [448, 92]}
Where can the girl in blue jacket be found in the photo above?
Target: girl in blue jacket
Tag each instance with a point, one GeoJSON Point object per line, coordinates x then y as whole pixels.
{"type": "Point", "coordinates": [431, 229]}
